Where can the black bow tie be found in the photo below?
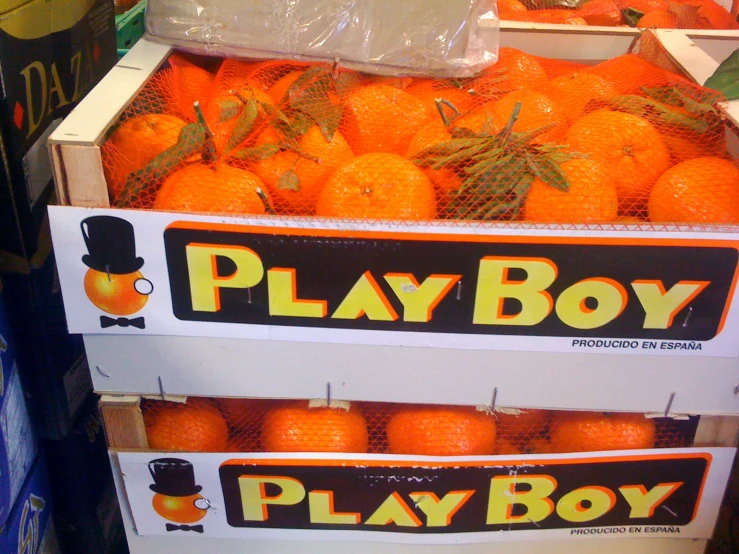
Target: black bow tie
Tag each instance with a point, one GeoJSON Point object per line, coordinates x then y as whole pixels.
{"type": "Point", "coordinates": [196, 528]}
{"type": "Point", "coordinates": [137, 322]}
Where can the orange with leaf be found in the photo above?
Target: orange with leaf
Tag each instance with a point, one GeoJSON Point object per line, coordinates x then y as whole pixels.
{"type": "Point", "coordinates": [590, 197]}
{"type": "Point", "coordinates": [134, 143]}
{"type": "Point", "coordinates": [298, 170]}
{"type": "Point", "coordinates": [537, 111]}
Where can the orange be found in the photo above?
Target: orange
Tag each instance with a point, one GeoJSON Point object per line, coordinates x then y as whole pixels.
{"type": "Point", "coordinates": [601, 12]}
{"type": "Point", "coordinates": [190, 83]}
{"type": "Point", "coordinates": [180, 509]}
{"type": "Point", "coordinates": [537, 110]}
{"type": "Point", "coordinates": [596, 431]}
{"type": "Point", "coordinates": [135, 143]}
{"type": "Point", "coordinates": [223, 130]}
{"type": "Point", "coordinates": [196, 426]}
{"type": "Point", "coordinates": [378, 186]}
{"type": "Point", "coordinates": [429, 92]}
{"type": "Point", "coordinates": [381, 118]}
{"type": "Point", "coordinates": [658, 19]}
{"type": "Point", "coordinates": [518, 69]}
{"type": "Point", "coordinates": [515, 424]}
{"type": "Point", "coordinates": [592, 196]}
{"type": "Point", "coordinates": [701, 190]}
{"type": "Point", "coordinates": [300, 428]}
{"type": "Point", "coordinates": [211, 189]}
{"type": "Point", "coordinates": [630, 145]}
{"type": "Point", "coordinates": [644, 6]}
{"type": "Point", "coordinates": [511, 9]}
{"type": "Point", "coordinates": [311, 173]}
{"type": "Point", "coordinates": [573, 92]}
{"type": "Point", "coordinates": [278, 91]}
{"type": "Point", "coordinates": [628, 73]}
{"type": "Point", "coordinates": [114, 294]}
{"type": "Point", "coordinates": [557, 16]}
{"type": "Point", "coordinates": [441, 431]}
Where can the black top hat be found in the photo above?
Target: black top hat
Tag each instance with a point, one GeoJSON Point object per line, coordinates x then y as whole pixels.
{"type": "Point", "coordinates": [173, 477]}
{"type": "Point", "coordinates": [111, 245]}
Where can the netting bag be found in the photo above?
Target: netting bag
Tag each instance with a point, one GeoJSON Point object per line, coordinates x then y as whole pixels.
{"type": "Point", "coordinates": [642, 14]}
{"type": "Point", "coordinates": [415, 37]}
{"type": "Point", "coordinates": [529, 140]}
{"type": "Point", "coordinates": [258, 425]}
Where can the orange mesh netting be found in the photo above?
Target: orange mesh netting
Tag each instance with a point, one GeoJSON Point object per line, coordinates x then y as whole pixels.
{"type": "Point", "coordinates": [256, 425]}
{"type": "Point", "coordinates": [643, 14]}
{"type": "Point", "coordinates": [529, 139]}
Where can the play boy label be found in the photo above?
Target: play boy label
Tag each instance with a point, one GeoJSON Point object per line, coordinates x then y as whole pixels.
{"type": "Point", "coordinates": [500, 287]}
{"type": "Point", "coordinates": [672, 492]}
{"type": "Point", "coordinates": [465, 497]}
{"type": "Point", "coordinates": [129, 272]}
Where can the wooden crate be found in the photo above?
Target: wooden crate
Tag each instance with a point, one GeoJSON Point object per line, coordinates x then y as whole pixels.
{"type": "Point", "coordinates": [132, 460]}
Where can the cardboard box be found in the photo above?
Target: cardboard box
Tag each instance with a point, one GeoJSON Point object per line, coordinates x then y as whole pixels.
{"type": "Point", "coordinates": [18, 446]}
{"type": "Point", "coordinates": [87, 515]}
{"type": "Point", "coordinates": [30, 528]}
{"type": "Point", "coordinates": [53, 52]}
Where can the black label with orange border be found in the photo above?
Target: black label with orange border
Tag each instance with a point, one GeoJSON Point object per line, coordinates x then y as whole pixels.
{"type": "Point", "coordinates": [467, 285]}
{"type": "Point", "coordinates": [662, 492]}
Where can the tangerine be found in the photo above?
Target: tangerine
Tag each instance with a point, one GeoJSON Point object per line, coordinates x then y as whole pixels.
{"type": "Point", "coordinates": [537, 110]}
{"type": "Point", "coordinates": [382, 118]}
{"type": "Point", "coordinates": [196, 426]}
{"type": "Point", "coordinates": [658, 19]}
{"type": "Point", "coordinates": [573, 92]}
{"type": "Point", "coordinates": [135, 143]}
{"type": "Point", "coordinates": [596, 431]}
{"type": "Point", "coordinates": [591, 198]}
{"type": "Point", "coordinates": [628, 73]}
{"type": "Point", "coordinates": [700, 190]}
{"type": "Point", "coordinates": [511, 9]}
{"type": "Point", "coordinates": [429, 92]}
{"type": "Point", "coordinates": [378, 186]}
{"type": "Point", "coordinates": [518, 69]}
{"type": "Point", "coordinates": [441, 431]}
{"type": "Point", "coordinates": [302, 428]}
{"type": "Point", "coordinates": [633, 149]}
{"type": "Point", "coordinates": [211, 189]}
{"type": "Point", "coordinates": [313, 163]}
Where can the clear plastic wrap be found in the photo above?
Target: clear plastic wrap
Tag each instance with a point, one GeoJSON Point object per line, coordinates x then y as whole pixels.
{"type": "Point", "coordinates": [433, 38]}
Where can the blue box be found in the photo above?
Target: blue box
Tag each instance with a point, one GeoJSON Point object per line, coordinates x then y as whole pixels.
{"type": "Point", "coordinates": [18, 446]}
{"type": "Point", "coordinates": [87, 517]}
{"type": "Point", "coordinates": [30, 527]}
{"type": "Point", "coordinates": [55, 54]}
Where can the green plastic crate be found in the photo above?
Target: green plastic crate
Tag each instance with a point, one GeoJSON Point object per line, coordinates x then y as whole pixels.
{"type": "Point", "coordinates": [130, 27]}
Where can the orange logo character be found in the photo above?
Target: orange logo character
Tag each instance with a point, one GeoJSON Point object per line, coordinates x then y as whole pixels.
{"type": "Point", "coordinates": [177, 497]}
{"type": "Point", "coordinates": [114, 283]}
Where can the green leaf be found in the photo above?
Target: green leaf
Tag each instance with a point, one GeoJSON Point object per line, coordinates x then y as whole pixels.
{"type": "Point", "coordinates": [190, 142]}
{"type": "Point", "coordinates": [549, 172]}
{"type": "Point", "coordinates": [446, 148]}
{"type": "Point", "coordinates": [289, 181]}
{"type": "Point", "coordinates": [695, 100]}
{"type": "Point", "coordinates": [632, 16]}
{"type": "Point", "coordinates": [656, 112]}
{"type": "Point", "coordinates": [310, 95]}
{"type": "Point", "coordinates": [256, 153]}
{"type": "Point", "coordinates": [726, 77]}
{"type": "Point", "coordinates": [346, 81]}
{"type": "Point", "coordinates": [244, 125]}
{"type": "Point", "coordinates": [230, 108]}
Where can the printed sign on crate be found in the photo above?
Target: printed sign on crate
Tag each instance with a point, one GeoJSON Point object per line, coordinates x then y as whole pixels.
{"type": "Point", "coordinates": [646, 493]}
{"type": "Point", "coordinates": [492, 288]}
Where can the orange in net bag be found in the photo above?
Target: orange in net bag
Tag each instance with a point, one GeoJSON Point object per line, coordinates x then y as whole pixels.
{"type": "Point", "coordinates": [643, 14]}
{"type": "Point", "coordinates": [529, 139]}
{"type": "Point", "coordinates": [264, 425]}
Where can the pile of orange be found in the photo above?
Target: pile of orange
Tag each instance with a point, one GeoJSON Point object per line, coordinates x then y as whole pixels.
{"type": "Point", "coordinates": [249, 425]}
{"type": "Point", "coordinates": [528, 139]}
{"type": "Point", "coordinates": [643, 14]}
